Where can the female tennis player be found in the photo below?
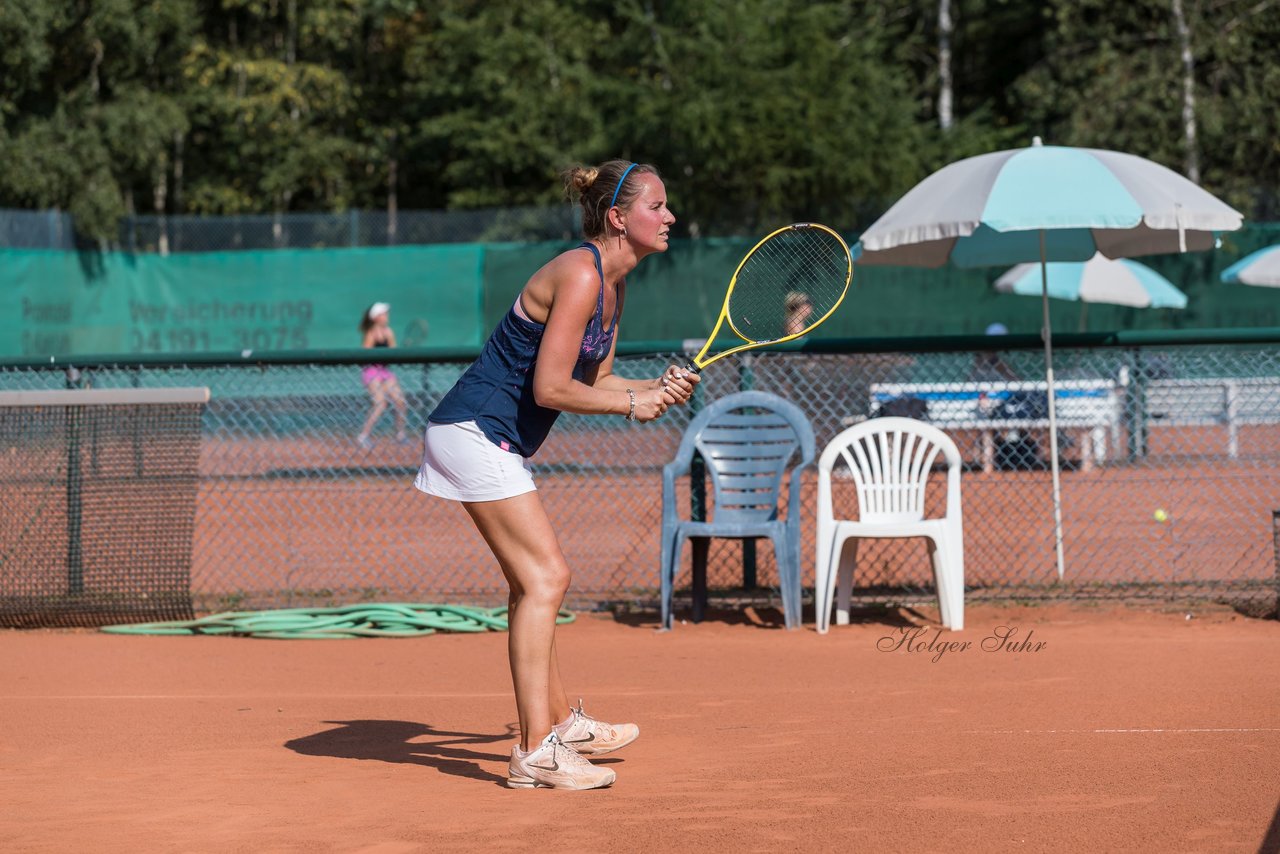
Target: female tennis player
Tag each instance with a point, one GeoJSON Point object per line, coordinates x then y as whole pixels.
{"type": "Point", "coordinates": [551, 353]}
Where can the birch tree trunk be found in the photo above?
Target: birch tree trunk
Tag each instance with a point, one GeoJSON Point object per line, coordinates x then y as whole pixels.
{"type": "Point", "coordinates": [945, 29]}
{"type": "Point", "coordinates": [1188, 92]}
{"type": "Point", "coordinates": [392, 200]}
{"type": "Point", "coordinates": [159, 201]}
{"type": "Point", "coordinates": [179, 140]}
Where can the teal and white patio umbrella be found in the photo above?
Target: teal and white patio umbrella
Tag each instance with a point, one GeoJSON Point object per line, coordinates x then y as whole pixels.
{"type": "Point", "coordinates": [1259, 268]}
{"type": "Point", "coordinates": [1040, 204]}
{"type": "Point", "coordinates": [1113, 281]}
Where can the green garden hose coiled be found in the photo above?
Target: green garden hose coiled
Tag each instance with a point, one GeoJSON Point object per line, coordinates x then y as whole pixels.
{"type": "Point", "coordinates": [383, 620]}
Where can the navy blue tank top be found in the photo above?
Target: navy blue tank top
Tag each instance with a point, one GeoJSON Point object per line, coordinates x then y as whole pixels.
{"type": "Point", "coordinates": [497, 390]}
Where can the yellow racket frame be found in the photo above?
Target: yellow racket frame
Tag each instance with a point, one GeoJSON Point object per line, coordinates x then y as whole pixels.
{"type": "Point", "coordinates": [700, 361]}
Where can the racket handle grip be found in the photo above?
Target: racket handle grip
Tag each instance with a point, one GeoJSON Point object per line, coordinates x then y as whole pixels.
{"type": "Point", "coordinates": [690, 366]}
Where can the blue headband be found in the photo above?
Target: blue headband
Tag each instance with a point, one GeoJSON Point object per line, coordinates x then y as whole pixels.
{"type": "Point", "coordinates": [620, 182]}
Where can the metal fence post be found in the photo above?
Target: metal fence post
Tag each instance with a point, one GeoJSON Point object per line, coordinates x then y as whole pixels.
{"type": "Point", "coordinates": [746, 373]}
{"type": "Point", "coordinates": [74, 492]}
{"type": "Point", "coordinates": [1137, 406]}
{"type": "Point", "coordinates": [1275, 546]}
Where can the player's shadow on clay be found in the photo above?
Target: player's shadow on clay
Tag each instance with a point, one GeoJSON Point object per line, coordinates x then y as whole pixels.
{"type": "Point", "coordinates": [408, 743]}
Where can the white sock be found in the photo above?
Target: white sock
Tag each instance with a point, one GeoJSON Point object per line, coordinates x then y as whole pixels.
{"type": "Point", "coordinates": [540, 745]}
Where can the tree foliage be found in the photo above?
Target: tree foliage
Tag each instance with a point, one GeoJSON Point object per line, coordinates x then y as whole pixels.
{"type": "Point", "coordinates": [756, 111]}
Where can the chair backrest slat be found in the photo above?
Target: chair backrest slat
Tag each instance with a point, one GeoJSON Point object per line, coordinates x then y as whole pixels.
{"type": "Point", "coordinates": [761, 435]}
{"type": "Point", "coordinates": [754, 465]}
{"type": "Point", "coordinates": [743, 418]}
{"type": "Point", "coordinates": [890, 461]}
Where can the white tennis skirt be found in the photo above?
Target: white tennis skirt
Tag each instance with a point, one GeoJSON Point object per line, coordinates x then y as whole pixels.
{"type": "Point", "coordinates": [460, 463]}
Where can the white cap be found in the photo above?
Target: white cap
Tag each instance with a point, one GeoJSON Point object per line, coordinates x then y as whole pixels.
{"type": "Point", "coordinates": [378, 308]}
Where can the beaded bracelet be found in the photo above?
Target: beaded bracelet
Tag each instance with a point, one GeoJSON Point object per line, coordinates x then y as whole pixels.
{"type": "Point", "coordinates": [631, 416]}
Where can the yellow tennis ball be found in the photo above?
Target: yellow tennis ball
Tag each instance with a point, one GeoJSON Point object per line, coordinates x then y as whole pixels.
{"type": "Point", "coordinates": [1160, 515]}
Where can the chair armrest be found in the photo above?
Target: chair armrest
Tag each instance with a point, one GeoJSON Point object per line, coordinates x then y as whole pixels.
{"type": "Point", "coordinates": [954, 502]}
{"type": "Point", "coordinates": [670, 472]}
{"type": "Point", "coordinates": [793, 491]}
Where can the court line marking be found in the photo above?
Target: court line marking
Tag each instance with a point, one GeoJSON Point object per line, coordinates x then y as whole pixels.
{"type": "Point", "coordinates": [1098, 731]}
{"type": "Point", "coordinates": [1120, 730]}
{"type": "Point", "coordinates": [325, 696]}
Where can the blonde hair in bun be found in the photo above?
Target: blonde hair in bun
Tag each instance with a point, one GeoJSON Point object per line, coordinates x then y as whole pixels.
{"type": "Point", "coordinates": [594, 186]}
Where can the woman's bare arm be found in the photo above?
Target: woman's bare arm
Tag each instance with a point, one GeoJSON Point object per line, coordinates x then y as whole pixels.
{"type": "Point", "coordinates": [576, 289]}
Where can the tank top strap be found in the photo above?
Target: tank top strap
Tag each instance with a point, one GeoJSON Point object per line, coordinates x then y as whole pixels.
{"type": "Point", "coordinates": [595, 253]}
{"type": "Point", "coordinates": [600, 297]}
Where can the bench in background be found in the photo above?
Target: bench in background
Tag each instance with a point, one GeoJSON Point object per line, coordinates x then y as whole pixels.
{"type": "Point", "coordinates": [1092, 408]}
{"type": "Point", "coordinates": [1214, 401]}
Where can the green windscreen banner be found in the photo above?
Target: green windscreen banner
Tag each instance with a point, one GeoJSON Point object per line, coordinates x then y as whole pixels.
{"type": "Point", "coordinates": [451, 295]}
{"type": "Point", "coordinates": [74, 303]}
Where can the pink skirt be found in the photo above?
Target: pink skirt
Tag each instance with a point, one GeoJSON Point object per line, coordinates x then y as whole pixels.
{"type": "Point", "coordinates": [375, 373]}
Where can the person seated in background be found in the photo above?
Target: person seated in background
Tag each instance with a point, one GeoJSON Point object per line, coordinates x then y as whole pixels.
{"type": "Point", "coordinates": [1014, 448]}
{"type": "Point", "coordinates": [380, 382]}
{"type": "Point", "coordinates": [799, 309]}
{"type": "Point", "coordinates": [988, 366]}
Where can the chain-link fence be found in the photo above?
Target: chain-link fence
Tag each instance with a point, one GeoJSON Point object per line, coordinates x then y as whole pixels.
{"type": "Point", "coordinates": [193, 233]}
{"type": "Point", "coordinates": [48, 229]}
{"type": "Point", "coordinates": [1170, 476]}
{"type": "Point", "coordinates": [52, 229]}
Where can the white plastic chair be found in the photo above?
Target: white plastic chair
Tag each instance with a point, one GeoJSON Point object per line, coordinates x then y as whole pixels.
{"type": "Point", "coordinates": [889, 460]}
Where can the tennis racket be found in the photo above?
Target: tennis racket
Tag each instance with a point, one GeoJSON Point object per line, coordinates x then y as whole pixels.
{"type": "Point", "coordinates": [787, 285]}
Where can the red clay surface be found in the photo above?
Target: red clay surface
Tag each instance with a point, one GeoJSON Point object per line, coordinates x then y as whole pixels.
{"type": "Point", "coordinates": [1126, 731]}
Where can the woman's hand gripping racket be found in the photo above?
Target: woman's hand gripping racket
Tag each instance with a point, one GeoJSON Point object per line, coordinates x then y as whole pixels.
{"type": "Point", "coordinates": [788, 284]}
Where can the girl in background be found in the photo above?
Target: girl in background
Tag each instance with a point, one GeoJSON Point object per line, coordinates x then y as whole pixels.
{"type": "Point", "coordinates": [380, 382]}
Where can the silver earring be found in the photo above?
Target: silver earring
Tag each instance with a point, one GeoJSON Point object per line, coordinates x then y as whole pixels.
{"type": "Point", "coordinates": [624, 231]}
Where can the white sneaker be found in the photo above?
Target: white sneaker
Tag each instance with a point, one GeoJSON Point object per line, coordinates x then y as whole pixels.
{"type": "Point", "coordinates": [551, 765]}
{"type": "Point", "coordinates": [591, 737]}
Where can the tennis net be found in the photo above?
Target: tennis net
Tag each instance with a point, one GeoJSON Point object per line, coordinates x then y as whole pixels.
{"type": "Point", "coordinates": [99, 491]}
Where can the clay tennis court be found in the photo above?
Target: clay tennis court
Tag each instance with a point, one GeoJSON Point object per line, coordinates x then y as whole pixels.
{"type": "Point", "coordinates": [1128, 730]}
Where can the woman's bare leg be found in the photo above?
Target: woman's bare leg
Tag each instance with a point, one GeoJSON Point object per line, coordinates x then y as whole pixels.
{"type": "Point", "coordinates": [378, 392]}
{"type": "Point", "coordinates": [557, 697]}
{"type": "Point", "coordinates": [519, 533]}
{"type": "Point", "coordinates": [398, 403]}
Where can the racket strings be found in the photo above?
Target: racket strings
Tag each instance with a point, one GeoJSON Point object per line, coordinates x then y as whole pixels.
{"type": "Point", "coordinates": [788, 285]}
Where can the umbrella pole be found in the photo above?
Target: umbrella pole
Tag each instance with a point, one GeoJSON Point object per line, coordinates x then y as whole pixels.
{"type": "Point", "coordinates": [1047, 334]}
